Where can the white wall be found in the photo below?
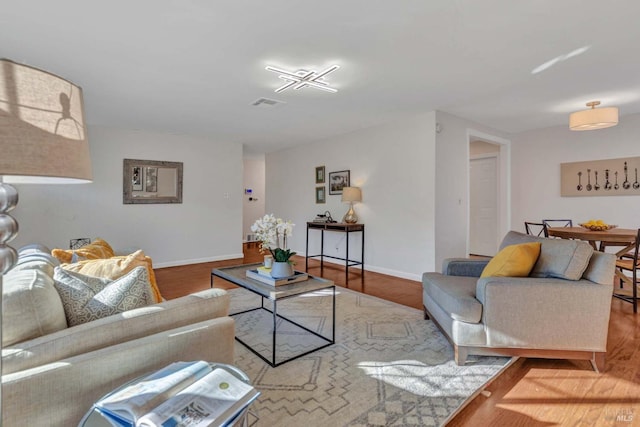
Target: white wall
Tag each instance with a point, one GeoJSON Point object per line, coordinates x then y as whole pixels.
{"type": "Point", "coordinates": [253, 178]}
{"type": "Point", "coordinates": [395, 167]}
{"type": "Point", "coordinates": [452, 183]}
{"type": "Point", "coordinates": [536, 159]}
{"type": "Point", "coordinates": [206, 226]}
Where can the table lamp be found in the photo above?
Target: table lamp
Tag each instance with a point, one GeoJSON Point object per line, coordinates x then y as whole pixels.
{"type": "Point", "coordinates": [43, 139]}
{"type": "Point", "coordinates": [351, 195]}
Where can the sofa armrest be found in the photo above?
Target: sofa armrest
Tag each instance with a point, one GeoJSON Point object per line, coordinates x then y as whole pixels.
{"type": "Point", "coordinates": [59, 393]}
{"type": "Point", "coordinates": [525, 312]}
{"type": "Point", "coordinates": [470, 267]}
{"type": "Point", "coordinates": [116, 329]}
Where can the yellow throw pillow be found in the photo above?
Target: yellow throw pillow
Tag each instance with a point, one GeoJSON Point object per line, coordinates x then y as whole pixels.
{"type": "Point", "coordinates": [116, 267]}
{"type": "Point", "coordinates": [98, 249]}
{"type": "Point", "coordinates": [513, 261]}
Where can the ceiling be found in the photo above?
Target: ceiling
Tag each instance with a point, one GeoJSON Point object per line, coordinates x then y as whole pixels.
{"type": "Point", "coordinates": [196, 66]}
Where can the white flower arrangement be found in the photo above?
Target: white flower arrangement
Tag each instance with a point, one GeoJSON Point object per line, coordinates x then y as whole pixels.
{"type": "Point", "coordinates": [272, 232]}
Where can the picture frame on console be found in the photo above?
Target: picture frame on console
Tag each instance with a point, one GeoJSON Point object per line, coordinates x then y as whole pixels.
{"type": "Point", "coordinates": [338, 180]}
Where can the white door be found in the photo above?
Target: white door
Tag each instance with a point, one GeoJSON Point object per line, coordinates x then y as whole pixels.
{"type": "Point", "coordinates": [483, 205]}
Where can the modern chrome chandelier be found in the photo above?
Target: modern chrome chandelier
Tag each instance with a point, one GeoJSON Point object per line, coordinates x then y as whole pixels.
{"type": "Point", "coordinates": [304, 78]}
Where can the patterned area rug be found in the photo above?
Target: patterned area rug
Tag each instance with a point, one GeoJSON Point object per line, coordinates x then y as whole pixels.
{"type": "Point", "coordinates": [388, 367]}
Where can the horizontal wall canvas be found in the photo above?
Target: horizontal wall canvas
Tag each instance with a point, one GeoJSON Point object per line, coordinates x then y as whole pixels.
{"type": "Point", "coordinates": [610, 177]}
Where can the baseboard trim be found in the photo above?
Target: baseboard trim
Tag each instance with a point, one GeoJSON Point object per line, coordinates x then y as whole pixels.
{"type": "Point", "coordinates": [373, 268]}
{"type": "Point", "coordinates": [197, 260]}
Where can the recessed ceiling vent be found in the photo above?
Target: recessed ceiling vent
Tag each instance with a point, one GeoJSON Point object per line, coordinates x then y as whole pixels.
{"type": "Point", "coordinates": [266, 102]}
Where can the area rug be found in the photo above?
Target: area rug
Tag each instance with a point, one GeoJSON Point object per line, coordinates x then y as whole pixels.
{"type": "Point", "coordinates": [388, 367]}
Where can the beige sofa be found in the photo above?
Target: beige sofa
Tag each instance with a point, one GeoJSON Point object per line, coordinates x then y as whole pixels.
{"type": "Point", "coordinates": [53, 379]}
{"type": "Point", "coordinates": [560, 311]}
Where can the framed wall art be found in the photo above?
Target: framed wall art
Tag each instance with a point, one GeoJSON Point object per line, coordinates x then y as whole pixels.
{"type": "Point", "coordinates": [151, 181]}
{"type": "Point", "coordinates": [611, 177]}
{"type": "Point", "coordinates": [320, 175]}
{"type": "Point", "coordinates": [321, 195]}
{"type": "Point", "coordinates": [337, 181]}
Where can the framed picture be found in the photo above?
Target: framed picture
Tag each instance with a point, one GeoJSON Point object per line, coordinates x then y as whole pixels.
{"type": "Point", "coordinates": [320, 175]}
{"type": "Point", "coordinates": [337, 181]}
{"type": "Point", "coordinates": [321, 195]}
{"type": "Point", "coordinates": [136, 180]}
{"type": "Point", "coordinates": [151, 178]}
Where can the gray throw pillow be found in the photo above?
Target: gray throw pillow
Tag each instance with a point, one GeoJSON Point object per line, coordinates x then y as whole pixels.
{"type": "Point", "coordinates": [87, 298]}
{"type": "Point", "coordinates": [559, 258]}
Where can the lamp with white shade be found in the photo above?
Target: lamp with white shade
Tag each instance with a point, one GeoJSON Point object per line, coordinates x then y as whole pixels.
{"type": "Point", "coordinates": [43, 140]}
{"type": "Point", "coordinates": [593, 118]}
{"type": "Point", "coordinates": [351, 195]}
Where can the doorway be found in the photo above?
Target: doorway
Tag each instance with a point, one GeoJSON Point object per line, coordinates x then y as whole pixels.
{"type": "Point", "coordinates": [489, 201]}
{"type": "Point", "coordinates": [483, 204]}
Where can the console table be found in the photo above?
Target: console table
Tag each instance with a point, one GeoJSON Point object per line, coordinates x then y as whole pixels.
{"type": "Point", "coordinates": [340, 228]}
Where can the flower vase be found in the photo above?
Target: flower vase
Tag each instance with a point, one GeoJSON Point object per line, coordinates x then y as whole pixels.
{"type": "Point", "coordinates": [280, 270]}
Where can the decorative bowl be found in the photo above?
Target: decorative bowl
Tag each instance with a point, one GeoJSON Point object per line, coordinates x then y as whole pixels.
{"type": "Point", "coordinates": [603, 227]}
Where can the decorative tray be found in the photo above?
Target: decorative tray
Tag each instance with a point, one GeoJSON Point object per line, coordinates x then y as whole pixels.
{"type": "Point", "coordinates": [598, 227]}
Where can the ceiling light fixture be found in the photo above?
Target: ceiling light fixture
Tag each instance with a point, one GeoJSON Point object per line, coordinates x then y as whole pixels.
{"type": "Point", "coordinates": [594, 118]}
{"type": "Point", "coordinates": [304, 78]}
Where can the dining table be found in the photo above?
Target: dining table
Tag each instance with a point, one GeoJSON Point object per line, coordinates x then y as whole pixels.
{"type": "Point", "coordinates": [599, 239]}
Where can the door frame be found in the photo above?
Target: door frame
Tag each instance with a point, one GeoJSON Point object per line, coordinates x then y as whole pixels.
{"type": "Point", "coordinates": [504, 181]}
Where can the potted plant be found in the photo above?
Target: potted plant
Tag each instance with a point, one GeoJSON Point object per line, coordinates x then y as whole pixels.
{"type": "Point", "coordinates": [272, 233]}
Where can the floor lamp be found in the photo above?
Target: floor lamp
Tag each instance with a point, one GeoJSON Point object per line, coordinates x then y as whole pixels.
{"type": "Point", "coordinates": [43, 140]}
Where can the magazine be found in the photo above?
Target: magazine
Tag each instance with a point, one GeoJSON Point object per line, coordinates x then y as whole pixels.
{"type": "Point", "coordinates": [183, 394]}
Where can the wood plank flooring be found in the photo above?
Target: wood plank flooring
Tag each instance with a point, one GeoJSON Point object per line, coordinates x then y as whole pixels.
{"type": "Point", "coordinates": [532, 392]}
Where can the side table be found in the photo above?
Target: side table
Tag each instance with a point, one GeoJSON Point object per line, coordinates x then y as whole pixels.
{"type": "Point", "coordinates": [340, 228]}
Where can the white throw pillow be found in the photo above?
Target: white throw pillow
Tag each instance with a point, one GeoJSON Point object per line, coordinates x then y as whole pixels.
{"type": "Point", "coordinates": [31, 306]}
{"type": "Point", "coordinates": [87, 298]}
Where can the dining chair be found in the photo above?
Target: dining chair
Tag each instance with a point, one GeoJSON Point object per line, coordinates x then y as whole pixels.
{"type": "Point", "coordinates": [633, 265]}
{"type": "Point", "coordinates": [558, 222]}
{"type": "Point", "coordinates": [536, 229]}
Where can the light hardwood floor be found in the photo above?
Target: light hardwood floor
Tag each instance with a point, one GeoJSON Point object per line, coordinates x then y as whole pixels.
{"type": "Point", "coordinates": [532, 392]}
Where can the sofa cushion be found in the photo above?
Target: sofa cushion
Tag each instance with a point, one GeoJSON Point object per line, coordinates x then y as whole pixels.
{"type": "Point", "coordinates": [36, 257]}
{"type": "Point", "coordinates": [31, 306]}
{"type": "Point", "coordinates": [559, 258]}
{"type": "Point", "coordinates": [87, 298]}
{"type": "Point", "coordinates": [513, 261]}
{"type": "Point", "coordinates": [456, 295]}
{"type": "Point", "coordinates": [116, 267]}
{"type": "Point", "coordinates": [599, 269]}
{"type": "Point", "coordinates": [98, 249]}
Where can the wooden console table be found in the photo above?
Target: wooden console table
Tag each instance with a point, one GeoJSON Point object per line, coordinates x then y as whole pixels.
{"type": "Point", "coordinates": [341, 228]}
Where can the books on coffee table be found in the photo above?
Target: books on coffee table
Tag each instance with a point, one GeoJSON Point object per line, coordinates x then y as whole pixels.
{"type": "Point", "coordinates": [298, 276]}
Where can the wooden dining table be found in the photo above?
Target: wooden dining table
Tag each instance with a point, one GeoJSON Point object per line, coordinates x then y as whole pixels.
{"type": "Point", "coordinates": [623, 237]}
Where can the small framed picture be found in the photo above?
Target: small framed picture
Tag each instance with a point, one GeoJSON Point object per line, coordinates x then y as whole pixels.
{"type": "Point", "coordinates": [151, 179]}
{"type": "Point", "coordinates": [321, 195]}
{"type": "Point", "coordinates": [320, 175]}
{"type": "Point", "coordinates": [136, 178]}
{"type": "Point", "coordinates": [337, 181]}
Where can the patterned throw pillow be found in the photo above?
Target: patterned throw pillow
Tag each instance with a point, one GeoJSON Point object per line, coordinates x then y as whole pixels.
{"type": "Point", "coordinates": [116, 267]}
{"type": "Point", "coordinates": [87, 298]}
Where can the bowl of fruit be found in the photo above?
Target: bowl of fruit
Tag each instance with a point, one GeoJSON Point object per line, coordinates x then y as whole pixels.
{"type": "Point", "coordinates": [597, 225]}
